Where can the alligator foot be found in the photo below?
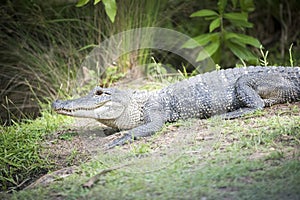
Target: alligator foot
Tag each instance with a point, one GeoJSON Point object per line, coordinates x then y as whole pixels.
{"type": "Point", "coordinates": [120, 141]}
{"type": "Point", "coordinates": [238, 113]}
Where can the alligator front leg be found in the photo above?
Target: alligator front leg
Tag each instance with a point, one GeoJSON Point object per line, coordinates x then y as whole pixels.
{"type": "Point", "coordinates": [138, 132]}
{"type": "Point", "coordinates": [154, 121]}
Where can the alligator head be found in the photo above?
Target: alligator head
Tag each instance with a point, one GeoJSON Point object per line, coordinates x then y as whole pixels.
{"type": "Point", "coordinates": [102, 104]}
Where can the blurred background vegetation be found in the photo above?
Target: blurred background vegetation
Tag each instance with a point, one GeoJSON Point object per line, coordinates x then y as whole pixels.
{"type": "Point", "coordinates": [44, 42]}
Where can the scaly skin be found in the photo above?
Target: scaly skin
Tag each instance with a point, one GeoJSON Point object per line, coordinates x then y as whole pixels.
{"type": "Point", "coordinates": [229, 93]}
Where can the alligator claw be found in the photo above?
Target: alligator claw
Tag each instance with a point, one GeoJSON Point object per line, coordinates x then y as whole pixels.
{"type": "Point", "coordinates": [120, 141]}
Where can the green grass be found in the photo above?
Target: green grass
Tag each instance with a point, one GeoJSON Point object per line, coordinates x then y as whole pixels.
{"type": "Point", "coordinates": [44, 46]}
{"type": "Point", "coordinates": [20, 148]}
{"type": "Point", "coordinates": [256, 157]}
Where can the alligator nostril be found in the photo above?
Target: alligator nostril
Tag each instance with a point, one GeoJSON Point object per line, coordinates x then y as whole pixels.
{"type": "Point", "coordinates": [55, 104]}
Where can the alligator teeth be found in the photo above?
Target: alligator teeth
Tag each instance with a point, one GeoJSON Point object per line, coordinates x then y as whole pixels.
{"type": "Point", "coordinates": [75, 109]}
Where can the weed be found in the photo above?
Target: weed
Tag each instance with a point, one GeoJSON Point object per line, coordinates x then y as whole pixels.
{"type": "Point", "coordinates": [226, 34]}
{"type": "Point", "coordinates": [20, 145]}
{"type": "Point", "coordinates": [68, 136]}
{"type": "Point", "coordinates": [141, 149]}
{"type": "Point", "coordinates": [44, 45]}
{"type": "Point", "coordinates": [291, 55]}
{"type": "Point", "coordinates": [70, 159]}
{"type": "Point", "coordinates": [275, 155]}
{"type": "Point", "coordinates": [264, 61]}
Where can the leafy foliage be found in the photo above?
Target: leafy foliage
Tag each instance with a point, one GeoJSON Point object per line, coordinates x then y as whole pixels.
{"type": "Point", "coordinates": [225, 30]}
{"type": "Point", "coordinates": [109, 5]}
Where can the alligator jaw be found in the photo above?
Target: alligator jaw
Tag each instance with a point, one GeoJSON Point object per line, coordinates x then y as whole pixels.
{"type": "Point", "coordinates": [71, 112]}
{"type": "Point", "coordinates": [70, 108]}
{"type": "Point", "coordinates": [101, 111]}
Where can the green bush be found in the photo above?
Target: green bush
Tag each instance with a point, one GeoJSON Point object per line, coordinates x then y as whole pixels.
{"type": "Point", "coordinates": [226, 29]}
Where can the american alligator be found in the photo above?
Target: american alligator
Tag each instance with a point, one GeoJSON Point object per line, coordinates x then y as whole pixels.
{"type": "Point", "coordinates": [228, 93]}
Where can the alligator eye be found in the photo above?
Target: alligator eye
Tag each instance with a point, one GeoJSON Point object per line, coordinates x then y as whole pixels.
{"type": "Point", "coordinates": [99, 92]}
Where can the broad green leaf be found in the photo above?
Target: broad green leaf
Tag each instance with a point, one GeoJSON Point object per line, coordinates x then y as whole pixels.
{"type": "Point", "coordinates": [228, 35]}
{"type": "Point", "coordinates": [202, 56]}
{"type": "Point", "coordinates": [237, 16]}
{"type": "Point", "coordinates": [81, 3]}
{"type": "Point", "coordinates": [245, 39]}
{"type": "Point", "coordinates": [211, 18]}
{"type": "Point", "coordinates": [190, 44]}
{"type": "Point", "coordinates": [232, 37]}
{"type": "Point", "coordinates": [200, 40]}
{"type": "Point", "coordinates": [208, 51]}
{"type": "Point", "coordinates": [239, 23]}
{"type": "Point", "coordinates": [235, 41]}
{"type": "Point", "coordinates": [96, 1]}
{"type": "Point", "coordinates": [204, 13]}
{"type": "Point", "coordinates": [214, 24]}
{"type": "Point", "coordinates": [110, 9]}
{"type": "Point", "coordinates": [206, 38]}
{"type": "Point", "coordinates": [241, 52]}
{"type": "Point", "coordinates": [222, 5]}
{"type": "Point", "coordinates": [247, 5]}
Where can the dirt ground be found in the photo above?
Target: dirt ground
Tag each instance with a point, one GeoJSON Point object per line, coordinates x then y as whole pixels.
{"type": "Point", "coordinates": [87, 138]}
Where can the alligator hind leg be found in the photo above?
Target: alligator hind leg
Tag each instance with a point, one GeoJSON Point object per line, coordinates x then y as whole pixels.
{"type": "Point", "coordinates": [254, 92]}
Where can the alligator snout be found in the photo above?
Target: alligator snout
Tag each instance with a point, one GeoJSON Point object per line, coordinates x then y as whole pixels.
{"type": "Point", "coordinates": [57, 104]}
{"type": "Point", "coordinates": [63, 107]}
